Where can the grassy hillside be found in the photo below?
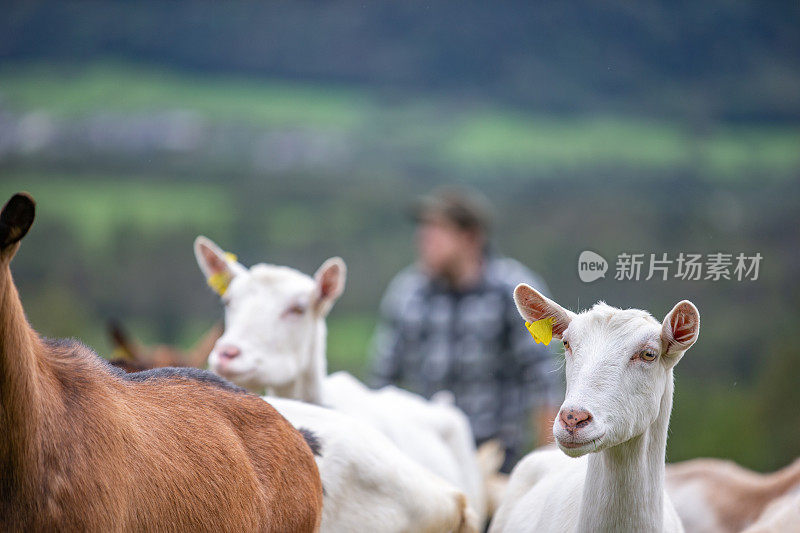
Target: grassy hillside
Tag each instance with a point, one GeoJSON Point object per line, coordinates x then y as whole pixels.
{"type": "Point", "coordinates": [68, 91]}
{"type": "Point", "coordinates": [470, 137]}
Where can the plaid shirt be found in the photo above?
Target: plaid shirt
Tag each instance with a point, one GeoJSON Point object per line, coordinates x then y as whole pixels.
{"type": "Point", "coordinates": [472, 343]}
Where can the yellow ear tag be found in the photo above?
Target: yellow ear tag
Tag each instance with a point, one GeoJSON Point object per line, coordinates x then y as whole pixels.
{"type": "Point", "coordinates": [220, 281]}
{"type": "Point", "coordinates": [542, 330]}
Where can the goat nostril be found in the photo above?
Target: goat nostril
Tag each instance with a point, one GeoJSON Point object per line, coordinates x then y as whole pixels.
{"type": "Point", "coordinates": [584, 421]}
{"type": "Point", "coordinates": [575, 418]}
{"type": "Point", "coordinates": [229, 352]}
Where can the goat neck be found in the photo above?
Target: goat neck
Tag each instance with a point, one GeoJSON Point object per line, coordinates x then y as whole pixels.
{"type": "Point", "coordinates": [20, 389]}
{"type": "Point", "coordinates": [624, 483]}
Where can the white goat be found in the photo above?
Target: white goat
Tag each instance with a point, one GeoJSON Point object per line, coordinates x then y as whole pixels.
{"type": "Point", "coordinates": [618, 401]}
{"type": "Point", "coordinates": [369, 484]}
{"type": "Point", "coordinates": [275, 341]}
{"type": "Point", "coordinates": [694, 487]}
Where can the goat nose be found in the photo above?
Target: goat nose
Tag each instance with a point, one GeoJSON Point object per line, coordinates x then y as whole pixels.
{"type": "Point", "coordinates": [574, 418]}
{"type": "Point", "coordinates": [229, 352]}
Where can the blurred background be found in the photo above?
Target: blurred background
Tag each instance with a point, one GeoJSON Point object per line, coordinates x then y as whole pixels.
{"type": "Point", "coordinates": [290, 132]}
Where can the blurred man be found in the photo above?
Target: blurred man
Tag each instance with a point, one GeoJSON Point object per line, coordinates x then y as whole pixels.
{"type": "Point", "coordinates": [449, 323]}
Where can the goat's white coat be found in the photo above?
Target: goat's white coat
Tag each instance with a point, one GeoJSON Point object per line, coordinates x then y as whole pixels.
{"type": "Point", "coordinates": [435, 434]}
{"type": "Point", "coordinates": [369, 484]}
{"type": "Point", "coordinates": [275, 316]}
{"type": "Point", "coordinates": [691, 504]}
{"type": "Point", "coordinates": [615, 480]}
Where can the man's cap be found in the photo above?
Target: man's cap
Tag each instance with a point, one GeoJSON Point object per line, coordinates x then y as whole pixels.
{"type": "Point", "coordinates": [466, 208]}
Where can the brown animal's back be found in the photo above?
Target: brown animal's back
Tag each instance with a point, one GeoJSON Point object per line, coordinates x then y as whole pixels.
{"type": "Point", "coordinates": [169, 449]}
{"type": "Point", "coordinates": [737, 495]}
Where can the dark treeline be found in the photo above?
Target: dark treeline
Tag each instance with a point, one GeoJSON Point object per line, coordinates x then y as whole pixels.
{"type": "Point", "coordinates": [700, 61]}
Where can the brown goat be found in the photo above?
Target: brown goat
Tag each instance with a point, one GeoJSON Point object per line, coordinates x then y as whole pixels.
{"type": "Point", "coordinates": [132, 356]}
{"type": "Point", "coordinates": [718, 496]}
{"type": "Point", "coordinates": [85, 447]}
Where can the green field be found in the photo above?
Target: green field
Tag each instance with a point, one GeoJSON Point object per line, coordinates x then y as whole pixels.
{"type": "Point", "coordinates": [76, 91]}
{"type": "Point", "coordinates": [547, 143]}
{"type": "Point", "coordinates": [468, 137]}
{"type": "Point", "coordinates": [96, 208]}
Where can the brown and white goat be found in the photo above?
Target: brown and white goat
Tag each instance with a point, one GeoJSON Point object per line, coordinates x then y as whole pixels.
{"type": "Point", "coordinates": [85, 447]}
{"type": "Point", "coordinates": [132, 356]}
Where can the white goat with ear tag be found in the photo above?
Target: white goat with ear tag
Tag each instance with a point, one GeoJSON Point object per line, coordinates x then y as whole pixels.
{"type": "Point", "coordinates": [612, 426]}
{"type": "Point", "coordinates": [275, 342]}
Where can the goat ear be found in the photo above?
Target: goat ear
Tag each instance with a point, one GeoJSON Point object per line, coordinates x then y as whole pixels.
{"type": "Point", "coordinates": [123, 348]}
{"type": "Point", "coordinates": [330, 278]}
{"type": "Point", "coordinates": [533, 306]}
{"type": "Point", "coordinates": [218, 267]}
{"type": "Point", "coordinates": [16, 219]}
{"type": "Point", "coordinates": [680, 328]}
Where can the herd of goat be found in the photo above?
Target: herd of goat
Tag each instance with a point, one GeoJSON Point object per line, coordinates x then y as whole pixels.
{"type": "Point", "coordinates": [150, 443]}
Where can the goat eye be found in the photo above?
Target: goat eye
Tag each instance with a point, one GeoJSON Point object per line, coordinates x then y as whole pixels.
{"type": "Point", "coordinates": [648, 355]}
{"type": "Point", "coordinates": [296, 310]}
{"type": "Point", "coordinates": [566, 345]}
